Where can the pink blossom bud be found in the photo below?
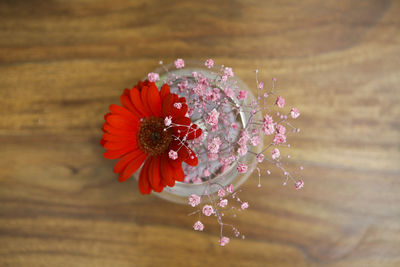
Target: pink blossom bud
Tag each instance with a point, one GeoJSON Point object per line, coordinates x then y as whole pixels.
{"type": "Point", "coordinates": [172, 154]}
{"type": "Point", "coordinates": [178, 105]}
{"type": "Point", "coordinates": [208, 210]}
{"type": "Point", "coordinates": [221, 192]}
{"type": "Point", "coordinates": [153, 77]}
{"type": "Point", "coordinates": [198, 226]}
{"type": "Point", "coordinates": [242, 95]}
{"type": "Point", "coordinates": [279, 139]}
{"type": "Point", "coordinates": [168, 121]}
{"type": "Point", "coordinates": [179, 63]}
{"type": "Point", "coordinates": [260, 157]}
{"type": "Point", "coordinates": [275, 153]}
{"type": "Point", "coordinates": [299, 184]}
{"type": "Point", "coordinates": [212, 118]}
{"type": "Point", "coordinates": [228, 72]}
{"type": "Point", "coordinates": [209, 63]}
{"type": "Point", "coordinates": [280, 101]}
{"type": "Point", "coordinates": [242, 168]}
{"type": "Point", "coordinates": [280, 129]}
{"type": "Point", "coordinates": [224, 240]}
{"type": "Point", "coordinates": [268, 129]}
{"type": "Point", "coordinates": [294, 112]}
{"type": "Point", "coordinates": [244, 205]}
{"type": "Point", "coordinates": [194, 200]}
{"type": "Point", "coordinates": [223, 203]}
{"type": "Point", "coordinates": [230, 189]}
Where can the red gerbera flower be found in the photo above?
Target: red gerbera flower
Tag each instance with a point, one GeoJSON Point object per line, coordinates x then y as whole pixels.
{"type": "Point", "coordinates": [136, 132]}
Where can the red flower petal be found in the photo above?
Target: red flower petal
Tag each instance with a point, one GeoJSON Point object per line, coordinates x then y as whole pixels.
{"type": "Point", "coordinates": [137, 102]}
{"type": "Point", "coordinates": [120, 145]}
{"type": "Point", "coordinates": [145, 101]}
{"type": "Point", "coordinates": [154, 100]}
{"type": "Point", "coordinates": [190, 133]}
{"type": "Point", "coordinates": [192, 161]}
{"type": "Point", "coordinates": [125, 160]}
{"type": "Point", "coordinates": [117, 138]}
{"type": "Point", "coordinates": [154, 174]}
{"type": "Point", "coordinates": [114, 154]}
{"type": "Point", "coordinates": [132, 167]}
{"type": "Point", "coordinates": [176, 113]}
{"type": "Point", "coordinates": [166, 105]}
{"type": "Point", "coordinates": [126, 102]}
{"type": "Point", "coordinates": [115, 109]}
{"type": "Point", "coordinates": [144, 184]}
{"type": "Point", "coordinates": [178, 174]}
{"type": "Point", "coordinates": [165, 171]}
{"type": "Point", "coordinates": [120, 122]}
{"type": "Point", "coordinates": [114, 131]}
{"type": "Point", "coordinates": [165, 90]}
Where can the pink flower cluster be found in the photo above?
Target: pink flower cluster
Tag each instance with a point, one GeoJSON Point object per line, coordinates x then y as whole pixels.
{"type": "Point", "coordinates": [227, 142]}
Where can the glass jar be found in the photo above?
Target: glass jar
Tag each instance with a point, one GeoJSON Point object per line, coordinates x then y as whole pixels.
{"type": "Point", "coordinates": [210, 184]}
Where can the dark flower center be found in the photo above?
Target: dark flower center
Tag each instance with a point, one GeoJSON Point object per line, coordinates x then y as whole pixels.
{"type": "Point", "coordinates": [152, 137]}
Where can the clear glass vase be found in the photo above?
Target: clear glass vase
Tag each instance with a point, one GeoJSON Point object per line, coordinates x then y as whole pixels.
{"type": "Point", "coordinates": [210, 184]}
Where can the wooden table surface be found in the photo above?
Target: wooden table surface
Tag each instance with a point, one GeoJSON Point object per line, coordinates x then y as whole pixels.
{"type": "Point", "coordinates": [63, 62]}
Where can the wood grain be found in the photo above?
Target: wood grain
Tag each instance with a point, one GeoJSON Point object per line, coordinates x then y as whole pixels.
{"type": "Point", "coordinates": [63, 62]}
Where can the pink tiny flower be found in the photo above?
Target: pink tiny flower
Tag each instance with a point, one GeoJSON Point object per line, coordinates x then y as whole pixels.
{"type": "Point", "coordinates": [209, 63]}
{"type": "Point", "coordinates": [229, 92]}
{"type": "Point", "coordinates": [260, 157]}
{"type": "Point", "coordinates": [230, 189]}
{"type": "Point", "coordinates": [208, 210]}
{"type": "Point", "coordinates": [279, 139]}
{"type": "Point", "coordinates": [299, 184]}
{"type": "Point", "coordinates": [153, 77]}
{"type": "Point", "coordinates": [280, 101]}
{"type": "Point", "coordinates": [275, 153]}
{"type": "Point", "coordinates": [260, 85]}
{"type": "Point", "coordinates": [228, 72]}
{"type": "Point", "coordinates": [206, 172]}
{"type": "Point", "coordinates": [172, 154]}
{"type": "Point", "coordinates": [223, 203]}
{"type": "Point", "coordinates": [255, 140]}
{"type": "Point", "coordinates": [268, 129]}
{"type": "Point", "coordinates": [199, 90]}
{"type": "Point", "coordinates": [182, 86]}
{"type": "Point", "coordinates": [179, 63]}
{"type": "Point", "coordinates": [280, 129]}
{"type": "Point", "coordinates": [198, 226]}
{"type": "Point", "coordinates": [223, 241]}
{"type": "Point", "coordinates": [242, 95]}
{"type": "Point", "coordinates": [168, 121]}
{"type": "Point", "coordinates": [242, 150]}
{"type": "Point", "coordinates": [194, 200]}
{"type": "Point", "coordinates": [221, 192]}
{"type": "Point", "coordinates": [242, 168]}
{"type": "Point", "coordinates": [242, 141]}
{"type": "Point", "coordinates": [245, 134]}
{"type": "Point", "coordinates": [234, 126]}
{"type": "Point", "coordinates": [268, 119]}
{"type": "Point", "coordinates": [212, 118]}
{"type": "Point", "coordinates": [294, 112]}
{"type": "Point", "coordinates": [244, 205]}
{"type": "Point", "coordinates": [178, 105]}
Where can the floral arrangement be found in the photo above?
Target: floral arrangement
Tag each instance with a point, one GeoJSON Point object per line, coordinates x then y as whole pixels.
{"type": "Point", "coordinates": [195, 127]}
